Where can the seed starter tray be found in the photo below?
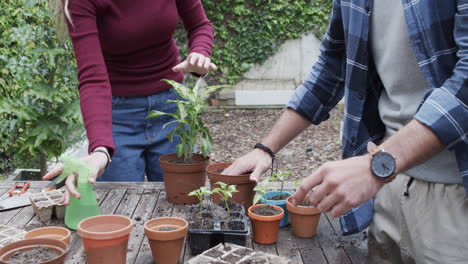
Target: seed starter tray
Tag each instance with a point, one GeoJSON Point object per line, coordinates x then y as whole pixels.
{"type": "Point", "coordinates": [235, 254]}
{"type": "Point", "coordinates": [9, 235]}
{"type": "Point", "coordinates": [47, 204]}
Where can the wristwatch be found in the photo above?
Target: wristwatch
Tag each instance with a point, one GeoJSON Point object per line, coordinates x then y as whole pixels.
{"type": "Point", "coordinates": [383, 164]}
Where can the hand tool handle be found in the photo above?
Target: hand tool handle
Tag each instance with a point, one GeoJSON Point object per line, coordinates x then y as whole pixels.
{"type": "Point", "coordinates": [19, 188]}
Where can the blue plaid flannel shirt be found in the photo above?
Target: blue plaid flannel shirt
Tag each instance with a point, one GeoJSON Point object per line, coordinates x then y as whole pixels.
{"type": "Point", "coordinates": [438, 32]}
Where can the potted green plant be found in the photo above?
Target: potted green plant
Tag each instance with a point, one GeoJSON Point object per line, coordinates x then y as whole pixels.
{"type": "Point", "coordinates": [304, 217]}
{"type": "Point", "coordinates": [265, 217]}
{"type": "Point", "coordinates": [184, 170]}
{"type": "Point", "coordinates": [211, 223]}
{"type": "Point", "coordinates": [278, 197]}
{"type": "Point", "coordinates": [243, 184]}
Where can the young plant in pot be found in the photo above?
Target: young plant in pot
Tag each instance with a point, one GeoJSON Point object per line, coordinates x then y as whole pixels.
{"type": "Point", "coordinates": [278, 197]}
{"type": "Point", "coordinates": [211, 224]}
{"type": "Point", "coordinates": [304, 217]}
{"type": "Point", "coordinates": [243, 184]}
{"type": "Point", "coordinates": [184, 170]}
{"type": "Point", "coordinates": [265, 217]}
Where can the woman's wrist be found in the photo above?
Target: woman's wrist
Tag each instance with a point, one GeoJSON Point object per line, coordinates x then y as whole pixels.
{"type": "Point", "coordinates": [105, 152]}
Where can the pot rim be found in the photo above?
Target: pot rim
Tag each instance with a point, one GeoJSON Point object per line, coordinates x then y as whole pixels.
{"type": "Point", "coordinates": [124, 230]}
{"type": "Point", "coordinates": [13, 247]}
{"type": "Point", "coordinates": [164, 159]}
{"type": "Point", "coordinates": [300, 209]}
{"type": "Point", "coordinates": [179, 233]}
{"type": "Point", "coordinates": [265, 217]}
{"type": "Point", "coordinates": [32, 233]}
{"type": "Point", "coordinates": [232, 179]}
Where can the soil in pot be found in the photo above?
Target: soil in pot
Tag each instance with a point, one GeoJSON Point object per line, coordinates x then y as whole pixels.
{"type": "Point", "coordinates": [35, 255]}
{"type": "Point", "coordinates": [279, 197]}
{"type": "Point", "coordinates": [265, 227]}
{"type": "Point", "coordinates": [266, 211]}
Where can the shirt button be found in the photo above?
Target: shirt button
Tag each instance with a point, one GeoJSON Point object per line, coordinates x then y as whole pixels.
{"type": "Point", "coordinates": [367, 10]}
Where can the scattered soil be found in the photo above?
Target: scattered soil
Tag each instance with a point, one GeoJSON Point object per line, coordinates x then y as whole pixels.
{"type": "Point", "coordinates": [279, 197]}
{"type": "Point", "coordinates": [243, 251]}
{"type": "Point", "coordinates": [266, 211]}
{"type": "Point", "coordinates": [214, 253]}
{"type": "Point", "coordinates": [232, 258]}
{"type": "Point", "coordinates": [184, 161]}
{"type": "Point", "coordinates": [35, 255]}
{"type": "Point", "coordinates": [233, 137]}
{"type": "Point", "coordinates": [167, 228]}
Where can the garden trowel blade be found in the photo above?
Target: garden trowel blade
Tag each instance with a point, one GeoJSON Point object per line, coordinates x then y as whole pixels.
{"type": "Point", "coordinates": [14, 201]}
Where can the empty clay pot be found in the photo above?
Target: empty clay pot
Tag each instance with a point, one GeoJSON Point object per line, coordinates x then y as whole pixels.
{"type": "Point", "coordinates": [242, 182]}
{"type": "Point", "coordinates": [265, 228]}
{"type": "Point", "coordinates": [105, 238]}
{"type": "Point", "coordinates": [304, 219]}
{"type": "Point", "coordinates": [29, 244]}
{"type": "Point", "coordinates": [166, 237]}
{"type": "Point", "coordinates": [180, 178]}
{"type": "Point", "coordinates": [53, 232]}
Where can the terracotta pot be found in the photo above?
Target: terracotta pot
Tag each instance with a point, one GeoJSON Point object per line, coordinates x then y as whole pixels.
{"type": "Point", "coordinates": [105, 238]}
{"type": "Point", "coordinates": [53, 232]}
{"type": "Point", "coordinates": [242, 182]}
{"type": "Point", "coordinates": [265, 228]}
{"type": "Point", "coordinates": [166, 246]}
{"type": "Point", "coordinates": [181, 179]}
{"type": "Point", "coordinates": [28, 244]}
{"type": "Point", "coordinates": [304, 219]}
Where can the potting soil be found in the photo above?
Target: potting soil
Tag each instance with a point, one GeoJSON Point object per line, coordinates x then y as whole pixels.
{"type": "Point", "coordinates": [35, 255]}
{"type": "Point", "coordinates": [266, 211]}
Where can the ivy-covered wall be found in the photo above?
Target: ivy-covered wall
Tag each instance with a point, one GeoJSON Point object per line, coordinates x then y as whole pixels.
{"type": "Point", "coordinates": [39, 103]}
{"type": "Point", "coordinates": [250, 31]}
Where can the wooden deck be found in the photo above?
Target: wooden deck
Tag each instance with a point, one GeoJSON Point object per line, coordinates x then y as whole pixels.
{"type": "Point", "coordinates": [144, 201]}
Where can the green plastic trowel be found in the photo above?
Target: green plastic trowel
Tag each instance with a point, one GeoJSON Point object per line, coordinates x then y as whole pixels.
{"type": "Point", "coordinates": [87, 205]}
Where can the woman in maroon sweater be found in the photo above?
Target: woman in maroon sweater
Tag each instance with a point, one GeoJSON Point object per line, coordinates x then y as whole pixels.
{"type": "Point", "coordinates": [123, 50]}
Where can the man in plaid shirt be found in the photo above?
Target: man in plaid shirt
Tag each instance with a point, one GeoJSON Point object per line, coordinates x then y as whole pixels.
{"type": "Point", "coordinates": [402, 67]}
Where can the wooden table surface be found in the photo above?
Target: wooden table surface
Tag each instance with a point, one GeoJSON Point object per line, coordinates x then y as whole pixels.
{"type": "Point", "coordinates": [144, 200]}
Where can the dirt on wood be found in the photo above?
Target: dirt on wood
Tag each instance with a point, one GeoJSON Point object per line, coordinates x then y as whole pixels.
{"type": "Point", "coordinates": [235, 132]}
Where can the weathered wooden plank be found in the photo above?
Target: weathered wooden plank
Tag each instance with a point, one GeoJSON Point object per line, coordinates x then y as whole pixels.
{"type": "Point", "coordinates": [22, 217]}
{"type": "Point", "coordinates": [310, 250]}
{"type": "Point", "coordinates": [329, 242]}
{"type": "Point", "coordinates": [108, 206]}
{"type": "Point", "coordinates": [286, 246]}
{"type": "Point", "coordinates": [141, 214]}
{"type": "Point", "coordinates": [163, 208]}
{"type": "Point", "coordinates": [97, 185]}
{"type": "Point", "coordinates": [354, 245]}
{"type": "Point", "coordinates": [7, 215]}
{"type": "Point", "coordinates": [179, 211]}
{"type": "Point", "coordinates": [270, 249]}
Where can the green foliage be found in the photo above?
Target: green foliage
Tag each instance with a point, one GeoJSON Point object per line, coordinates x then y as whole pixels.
{"type": "Point", "coordinates": [281, 178]}
{"type": "Point", "coordinates": [190, 128]}
{"type": "Point", "coordinates": [226, 191]}
{"type": "Point", "coordinates": [261, 189]}
{"type": "Point", "coordinates": [39, 107]}
{"type": "Point", "coordinates": [247, 32]}
{"type": "Point", "coordinates": [200, 194]}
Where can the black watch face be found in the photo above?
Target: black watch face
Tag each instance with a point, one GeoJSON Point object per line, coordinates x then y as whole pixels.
{"type": "Point", "coordinates": [383, 164]}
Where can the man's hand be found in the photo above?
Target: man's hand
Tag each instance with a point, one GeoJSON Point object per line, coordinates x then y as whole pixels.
{"type": "Point", "coordinates": [257, 162]}
{"type": "Point", "coordinates": [96, 160]}
{"type": "Point", "coordinates": [339, 186]}
{"type": "Point", "coordinates": [196, 63]}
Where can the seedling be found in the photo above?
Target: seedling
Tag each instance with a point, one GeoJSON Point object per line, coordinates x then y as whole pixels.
{"type": "Point", "coordinates": [281, 178]}
{"type": "Point", "coordinates": [190, 128]}
{"type": "Point", "coordinates": [226, 191]}
{"type": "Point", "coordinates": [260, 190]}
{"type": "Point", "coordinates": [200, 194]}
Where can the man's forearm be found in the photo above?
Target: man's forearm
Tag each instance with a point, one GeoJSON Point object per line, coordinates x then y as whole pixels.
{"type": "Point", "coordinates": [413, 144]}
{"type": "Point", "coordinates": [288, 126]}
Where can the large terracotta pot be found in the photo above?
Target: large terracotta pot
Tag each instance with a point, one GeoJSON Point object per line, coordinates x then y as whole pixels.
{"type": "Point", "coordinates": [265, 228]}
{"type": "Point", "coordinates": [166, 245]}
{"type": "Point", "coordinates": [105, 238]}
{"type": "Point", "coordinates": [28, 244]}
{"type": "Point", "coordinates": [304, 219]}
{"type": "Point", "coordinates": [180, 179]}
{"type": "Point", "coordinates": [242, 182]}
{"type": "Point", "coordinates": [53, 232]}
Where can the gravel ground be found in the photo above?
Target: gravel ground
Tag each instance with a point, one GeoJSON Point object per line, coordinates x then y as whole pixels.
{"type": "Point", "coordinates": [235, 132]}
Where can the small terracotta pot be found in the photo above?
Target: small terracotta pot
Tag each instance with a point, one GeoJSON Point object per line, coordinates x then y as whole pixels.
{"type": "Point", "coordinates": [166, 246]}
{"type": "Point", "coordinates": [242, 182]}
{"type": "Point", "coordinates": [181, 179]}
{"type": "Point", "coordinates": [105, 238]}
{"type": "Point", "coordinates": [304, 219]}
{"type": "Point", "coordinates": [281, 203]}
{"type": "Point", "coordinates": [53, 232]}
{"type": "Point", "coordinates": [265, 228]}
{"type": "Point", "coordinates": [28, 244]}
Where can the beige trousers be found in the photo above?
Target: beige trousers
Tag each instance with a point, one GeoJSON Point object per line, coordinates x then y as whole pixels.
{"type": "Point", "coordinates": [430, 225]}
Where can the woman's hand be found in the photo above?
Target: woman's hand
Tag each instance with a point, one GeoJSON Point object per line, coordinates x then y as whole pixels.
{"type": "Point", "coordinates": [96, 160]}
{"type": "Point", "coordinates": [196, 63]}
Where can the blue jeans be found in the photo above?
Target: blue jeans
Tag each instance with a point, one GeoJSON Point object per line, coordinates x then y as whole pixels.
{"type": "Point", "coordinates": [139, 141]}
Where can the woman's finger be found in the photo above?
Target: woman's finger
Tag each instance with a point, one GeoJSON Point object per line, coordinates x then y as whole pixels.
{"type": "Point", "coordinates": [66, 198]}
{"type": "Point", "coordinates": [180, 67]}
{"type": "Point", "coordinates": [193, 59]}
{"type": "Point", "coordinates": [70, 183]}
{"type": "Point", "coordinates": [57, 170]}
{"type": "Point", "coordinates": [213, 67]}
{"type": "Point", "coordinates": [201, 61]}
{"type": "Point", "coordinates": [206, 65]}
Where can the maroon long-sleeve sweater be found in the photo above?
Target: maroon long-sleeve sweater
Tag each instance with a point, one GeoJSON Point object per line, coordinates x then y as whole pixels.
{"type": "Point", "coordinates": [125, 48]}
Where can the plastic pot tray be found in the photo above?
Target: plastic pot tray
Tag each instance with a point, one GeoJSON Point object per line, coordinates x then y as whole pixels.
{"type": "Point", "coordinates": [203, 239]}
